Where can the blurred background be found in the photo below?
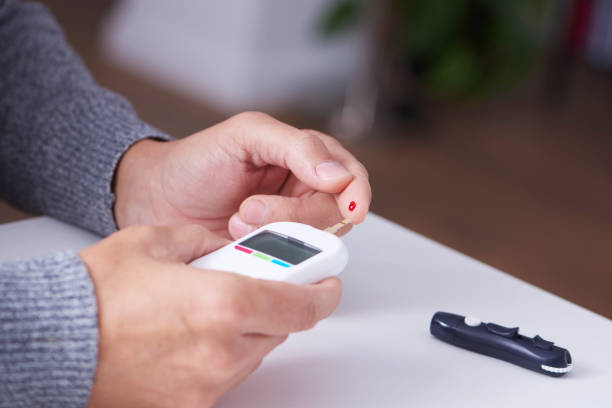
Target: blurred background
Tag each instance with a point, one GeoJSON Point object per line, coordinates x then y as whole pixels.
{"type": "Point", "coordinates": [485, 125]}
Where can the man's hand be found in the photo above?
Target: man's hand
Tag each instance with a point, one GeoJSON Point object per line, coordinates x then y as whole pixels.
{"type": "Point", "coordinates": [176, 336]}
{"type": "Point", "coordinates": [234, 177]}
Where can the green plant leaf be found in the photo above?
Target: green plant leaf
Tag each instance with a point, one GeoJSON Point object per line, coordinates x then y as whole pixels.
{"type": "Point", "coordinates": [339, 17]}
{"type": "Point", "coordinates": [455, 72]}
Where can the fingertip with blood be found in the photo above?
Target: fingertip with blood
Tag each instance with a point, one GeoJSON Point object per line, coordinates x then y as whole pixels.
{"type": "Point", "coordinates": [353, 209]}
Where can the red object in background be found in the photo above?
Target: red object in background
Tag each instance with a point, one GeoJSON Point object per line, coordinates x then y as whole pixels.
{"type": "Point", "coordinates": [352, 206]}
{"type": "Point", "coordinates": [579, 25]}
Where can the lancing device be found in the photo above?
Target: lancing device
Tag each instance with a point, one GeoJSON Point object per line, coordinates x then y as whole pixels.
{"type": "Point", "coordinates": [501, 342]}
{"type": "Point", "coordinates": [282, 251]}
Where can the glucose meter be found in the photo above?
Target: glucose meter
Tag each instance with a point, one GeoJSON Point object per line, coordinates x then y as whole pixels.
{"type": "Point", "coordinates": [281, 251]}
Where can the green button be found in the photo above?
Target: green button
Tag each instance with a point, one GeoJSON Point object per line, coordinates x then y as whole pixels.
{"type": "Point", "coordinates": [262, 256]}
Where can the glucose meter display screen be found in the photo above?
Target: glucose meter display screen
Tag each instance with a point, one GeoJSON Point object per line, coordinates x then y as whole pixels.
{"type": "Point", "coordinates": [284, 248]}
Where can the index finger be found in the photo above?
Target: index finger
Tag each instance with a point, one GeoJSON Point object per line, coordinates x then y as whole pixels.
{"type": "Point", "coordinates": [282, 308]}
{"type": "Point", "coordinates": [263, 140]}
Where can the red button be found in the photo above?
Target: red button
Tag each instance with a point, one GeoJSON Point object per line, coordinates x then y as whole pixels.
{"type": "Point", "coordinates": [243, 249]}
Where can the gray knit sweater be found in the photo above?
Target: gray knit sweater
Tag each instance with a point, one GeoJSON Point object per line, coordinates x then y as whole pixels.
{"type": "Point", "coordinates": [61, 137]}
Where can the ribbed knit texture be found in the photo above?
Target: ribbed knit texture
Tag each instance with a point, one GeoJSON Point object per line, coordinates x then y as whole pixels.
{"type": "Point", "coordinates": [61, 137]}
{"type": "Point", "coordinates": [48, 333]}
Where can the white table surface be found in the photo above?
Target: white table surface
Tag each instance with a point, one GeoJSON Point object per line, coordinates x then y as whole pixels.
{"type": "Point", "coordinates": [376, 350]}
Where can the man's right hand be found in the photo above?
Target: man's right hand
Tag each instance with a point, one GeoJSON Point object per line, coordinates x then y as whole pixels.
{"type": "Point", "coordinates": [172, 335]}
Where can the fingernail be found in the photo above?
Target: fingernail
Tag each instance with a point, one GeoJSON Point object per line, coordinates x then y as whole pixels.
{"type": "Point", "coordinates": [253, 212]}
{"type": "Point", "coordinates": [238, 228]}
{"type": "Point", "coordinates": [331, 170]}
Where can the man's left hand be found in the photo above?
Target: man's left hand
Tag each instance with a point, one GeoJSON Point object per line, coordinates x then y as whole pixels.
{"type": "Point", "coordinates": [240, 174]}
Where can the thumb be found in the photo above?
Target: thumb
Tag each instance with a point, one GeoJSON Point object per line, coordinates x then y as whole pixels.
{"type": "Point", "coordinates": [268, 141]}
{"type": "Point", "coordinates": [182, 243]}
{"type": "Point", "coordinates": [282, 308]}
{"type": "Point", "coordinates": [319, 210]}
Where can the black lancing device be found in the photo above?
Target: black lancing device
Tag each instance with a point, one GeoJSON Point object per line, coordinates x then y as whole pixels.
{"type": "Point", "coordinates": [501, 342]}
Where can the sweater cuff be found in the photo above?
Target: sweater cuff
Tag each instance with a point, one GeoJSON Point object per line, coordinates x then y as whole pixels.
{"type": "Point", "coordinates": [100, 217]}
{"type": "Point", "coordinates": [48, 332]}
{"type": "Point", "coordinates": [85, 161]}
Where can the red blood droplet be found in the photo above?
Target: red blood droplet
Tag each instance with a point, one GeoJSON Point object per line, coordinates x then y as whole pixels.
{"type": "Point", "coordinates": [352, 206]}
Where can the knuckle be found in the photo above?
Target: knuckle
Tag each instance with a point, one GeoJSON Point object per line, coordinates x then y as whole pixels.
{"type": "Point", "coordinates": [333, 144]}
{"type": "Point", "coordinates": [331, 141]}
{"type": "Point", "coordinates": [253, 116]}
{"type": "Point", "coordinates": [308, 140]}
{"type": "Point", "coordinates": [308, 144]}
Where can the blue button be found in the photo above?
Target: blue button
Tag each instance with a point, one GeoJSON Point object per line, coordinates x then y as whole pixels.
{"type": "Point", "coordinates": [280, 263]}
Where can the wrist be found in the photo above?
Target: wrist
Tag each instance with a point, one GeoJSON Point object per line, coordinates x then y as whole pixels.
{"type": "Point", "coordinates": [135, 182]}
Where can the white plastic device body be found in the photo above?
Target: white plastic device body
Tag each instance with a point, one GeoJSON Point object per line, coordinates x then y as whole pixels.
{"type": "Point", "coordinates": [281, 251]}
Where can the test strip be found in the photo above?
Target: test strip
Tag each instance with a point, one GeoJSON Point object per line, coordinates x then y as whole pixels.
{"type": "Point", "coordinates": [335, 228]}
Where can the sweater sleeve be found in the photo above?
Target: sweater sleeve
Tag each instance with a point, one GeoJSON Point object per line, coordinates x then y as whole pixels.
{"type": "Point", "coordinates": [48, 332]}
{"type": "Point", "coordinates": [61, 135]}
